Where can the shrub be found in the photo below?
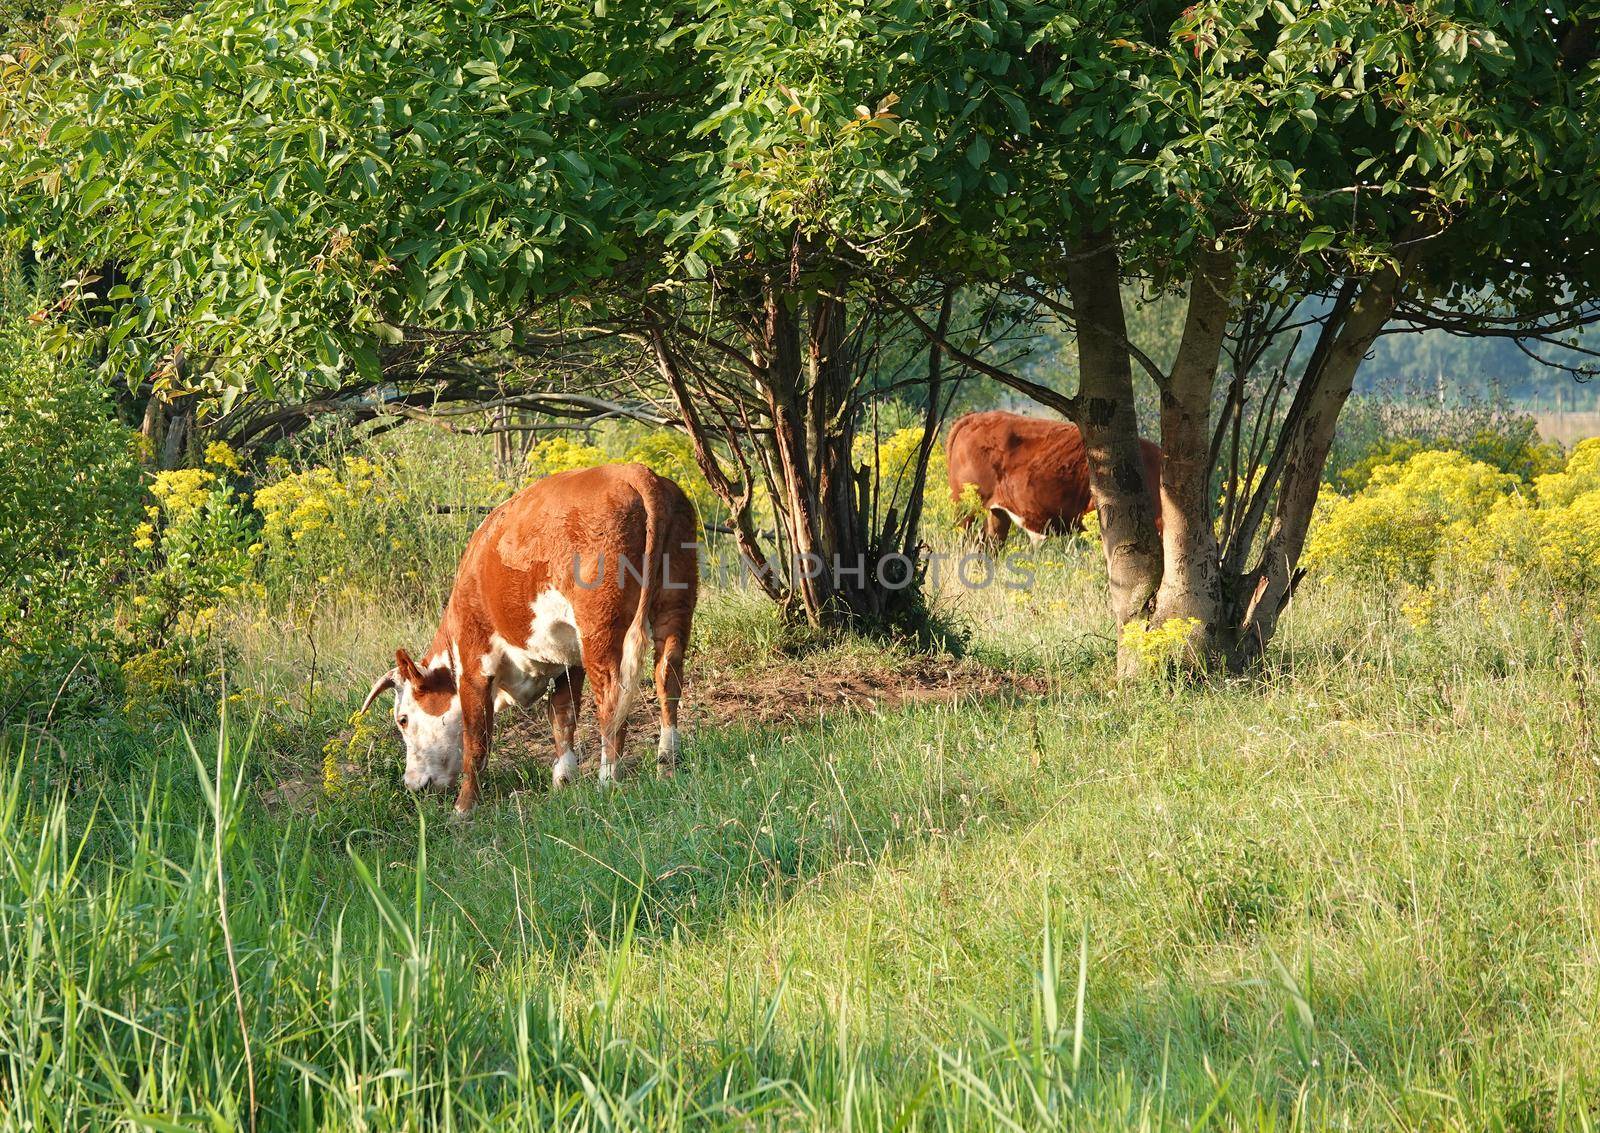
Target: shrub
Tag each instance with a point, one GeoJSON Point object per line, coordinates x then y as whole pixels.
{"type": "Point", "coordinates": [670, 453]}
{"type": "Point", "coordinates": [561, 454]}
{"type": "Point", "coordinates": [1394, 529]}
{"type": "Point", "coordinates": [69, 503]}
{"type": "Point", "coordinates": [1355, 477]}
{"type": "Point", "coordinates": [347, 520]}
{"type": "Point", "coordinates": [1372, 434]}
{"type": "Point", "coordinates": [196, 544]}
{"type": "Point", "coordinates": [895, 460]}
{"type": "Point", "coordinates": [1160, 649]}
{"type": "Point", "coordinates": [665, 452]}
{"type": "Point", "coordinates": [1580, 476]}
{"type": "Point", "coordinates": [1551, 540]}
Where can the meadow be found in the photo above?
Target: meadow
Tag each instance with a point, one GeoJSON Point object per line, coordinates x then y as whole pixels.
{"type": "Point", "coordinates": [1354, 890]}
{"type": "Point", "coordinates": [293, 294]}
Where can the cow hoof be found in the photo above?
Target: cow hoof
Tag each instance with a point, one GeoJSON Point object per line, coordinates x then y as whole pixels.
{"type": "Point", "coordinates": [565, 772]}
{"type": "Point", "coordinates": [608, 776]}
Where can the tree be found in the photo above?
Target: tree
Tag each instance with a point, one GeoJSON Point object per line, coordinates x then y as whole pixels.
{"type": "Point", "coordinates": [1298, 170]}
{"type": "Point", "coordinates": [758, 199]}
{"type": "Point", "coordinates": [369, 204]}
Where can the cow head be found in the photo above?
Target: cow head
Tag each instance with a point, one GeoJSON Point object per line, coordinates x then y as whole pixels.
{"type": "Point", "coordinates": [427, 710]}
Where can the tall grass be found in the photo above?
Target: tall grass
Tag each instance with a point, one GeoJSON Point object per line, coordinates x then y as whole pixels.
{"type": "Point", "coordinates": [1356, 891]}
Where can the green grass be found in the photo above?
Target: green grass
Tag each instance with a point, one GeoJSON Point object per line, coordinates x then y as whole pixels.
{"type": "Point", "coordinates": [1361, 891]}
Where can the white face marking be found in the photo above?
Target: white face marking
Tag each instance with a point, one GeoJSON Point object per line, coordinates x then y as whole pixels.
{"type": "Point", "coordinates": [433, 743]}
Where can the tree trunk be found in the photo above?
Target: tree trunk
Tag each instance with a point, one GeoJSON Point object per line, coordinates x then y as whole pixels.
{"type": "Point", "coordinates": [801, 381]}
{"type": "Point", "coordinates": [1195, 576]}
{"type": "Point", "coordinates": [1191, 574]}
{"type": "Point", "coordinates": [1304, 453]}
{"type": "Point", "coordinates": [1104, 413]}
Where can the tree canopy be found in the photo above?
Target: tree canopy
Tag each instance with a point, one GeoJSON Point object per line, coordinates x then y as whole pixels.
{"type": "Point", "coordinates": [753, 200]}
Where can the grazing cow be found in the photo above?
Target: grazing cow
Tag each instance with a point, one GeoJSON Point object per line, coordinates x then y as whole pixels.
{"type": "Point", "coordinates": [570, 577]}
{"type": "Point", "coordinates": [1030, 472]}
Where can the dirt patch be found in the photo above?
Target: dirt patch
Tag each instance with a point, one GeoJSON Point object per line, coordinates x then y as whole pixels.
{"type": "Point", "coordinates": [798, 692]}
{"type": "Point", "coordinates": [790, 693]}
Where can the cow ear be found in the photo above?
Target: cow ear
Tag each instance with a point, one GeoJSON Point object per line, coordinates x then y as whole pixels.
{"type": "Point", "coordinates": [384, 683]}
{"type": "Point", "coordinates": [406, 667]}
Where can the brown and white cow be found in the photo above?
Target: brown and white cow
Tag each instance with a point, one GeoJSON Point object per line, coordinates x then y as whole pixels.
{"type": "Point", "coordinates": [571, 577]}
{"type": "Point", "coordinates": [1030, 472]}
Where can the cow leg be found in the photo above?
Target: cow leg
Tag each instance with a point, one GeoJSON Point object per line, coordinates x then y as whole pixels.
{"type": "Point", "coordinates": [565, 698]}
{"type": "Point", "coordinates": [477, 729]}
{"type": "Point", "coordinates": [669, 690]}
{"type": "Point", "coordinates": [611, 704]}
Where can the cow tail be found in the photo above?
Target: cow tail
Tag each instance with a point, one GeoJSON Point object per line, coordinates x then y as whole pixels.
{"type": "Point", "coordinates": [637, 637]}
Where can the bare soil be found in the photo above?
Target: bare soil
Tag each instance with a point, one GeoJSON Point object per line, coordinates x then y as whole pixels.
{"type": "Point", "coordinates": [785, 693]}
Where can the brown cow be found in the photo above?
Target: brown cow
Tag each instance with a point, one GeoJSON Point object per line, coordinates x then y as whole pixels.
{"type": "Point", "coordinates": [569, 577]}
{"type": "Point", "coordinates": [1030, 472]}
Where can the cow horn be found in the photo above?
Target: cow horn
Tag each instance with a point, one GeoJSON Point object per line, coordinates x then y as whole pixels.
{"type": "Point", "coordinates": [383, 685]}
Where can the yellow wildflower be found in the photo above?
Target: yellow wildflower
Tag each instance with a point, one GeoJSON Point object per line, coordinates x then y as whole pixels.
{"type": "Point", "coordinates": [221, 454]}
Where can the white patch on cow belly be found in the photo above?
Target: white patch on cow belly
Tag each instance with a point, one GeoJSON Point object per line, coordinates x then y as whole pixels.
{"type": "Point", "coordinates": [1035, 536]}
{"type": "Point", "coordinates": [553, 646]}
{"type": "Point", "coordinates": [553, 634]}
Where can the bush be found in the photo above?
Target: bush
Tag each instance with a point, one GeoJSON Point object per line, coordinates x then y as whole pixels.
{"type": "Point", "coordinates": [665, 452]}
{"type": "Point", "coordinates": [1551, 540]}
{"type": "Point", "coordinates": [895, 461]}
{"type": "Point", "coordinates": [355, 520]}
{"type": "Point", "coordinates": [1442, 509]}
{"type": "Point", "coordinates": [561, 454]}
{"type": "Point", "coordinates": [69, 503]}
{"type": "Point", "coordinates": [1396, 528]}
{"type": "Point", "coordinates": [1373, 434]}
{"type": "Point", "coordinates": [197, 544]}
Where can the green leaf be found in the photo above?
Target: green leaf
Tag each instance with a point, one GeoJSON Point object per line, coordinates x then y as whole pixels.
{"type": "Point", "coordinates": [1316, 240]}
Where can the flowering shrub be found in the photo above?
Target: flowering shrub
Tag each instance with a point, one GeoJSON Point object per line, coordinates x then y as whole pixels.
{"type": "Point", "coordinates": [221, 455]}
{"type": "Point", "coordinates": [1159, 649]}
{"type": "Point", "coordinates": [331, 521]}
{"type": "Point", "coordinates": [1552, 539]}
{"type": "Point", "coordinates": [561, 454]}
{"type": "Point", "coordinates": [670, 453]}
{"type": "Point", "coordinates": [303, 503]}
{"type": "Point", "coordinates": [1580, 477]}
{"type": "Point", "coordinates": [194, 545]}
{"type": "Point", "coordinates": [1395, 529]}
{"type": "Point", "coordinates": [896, 462]}
{"type": "Point", "coordinates": [1375, 432]}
